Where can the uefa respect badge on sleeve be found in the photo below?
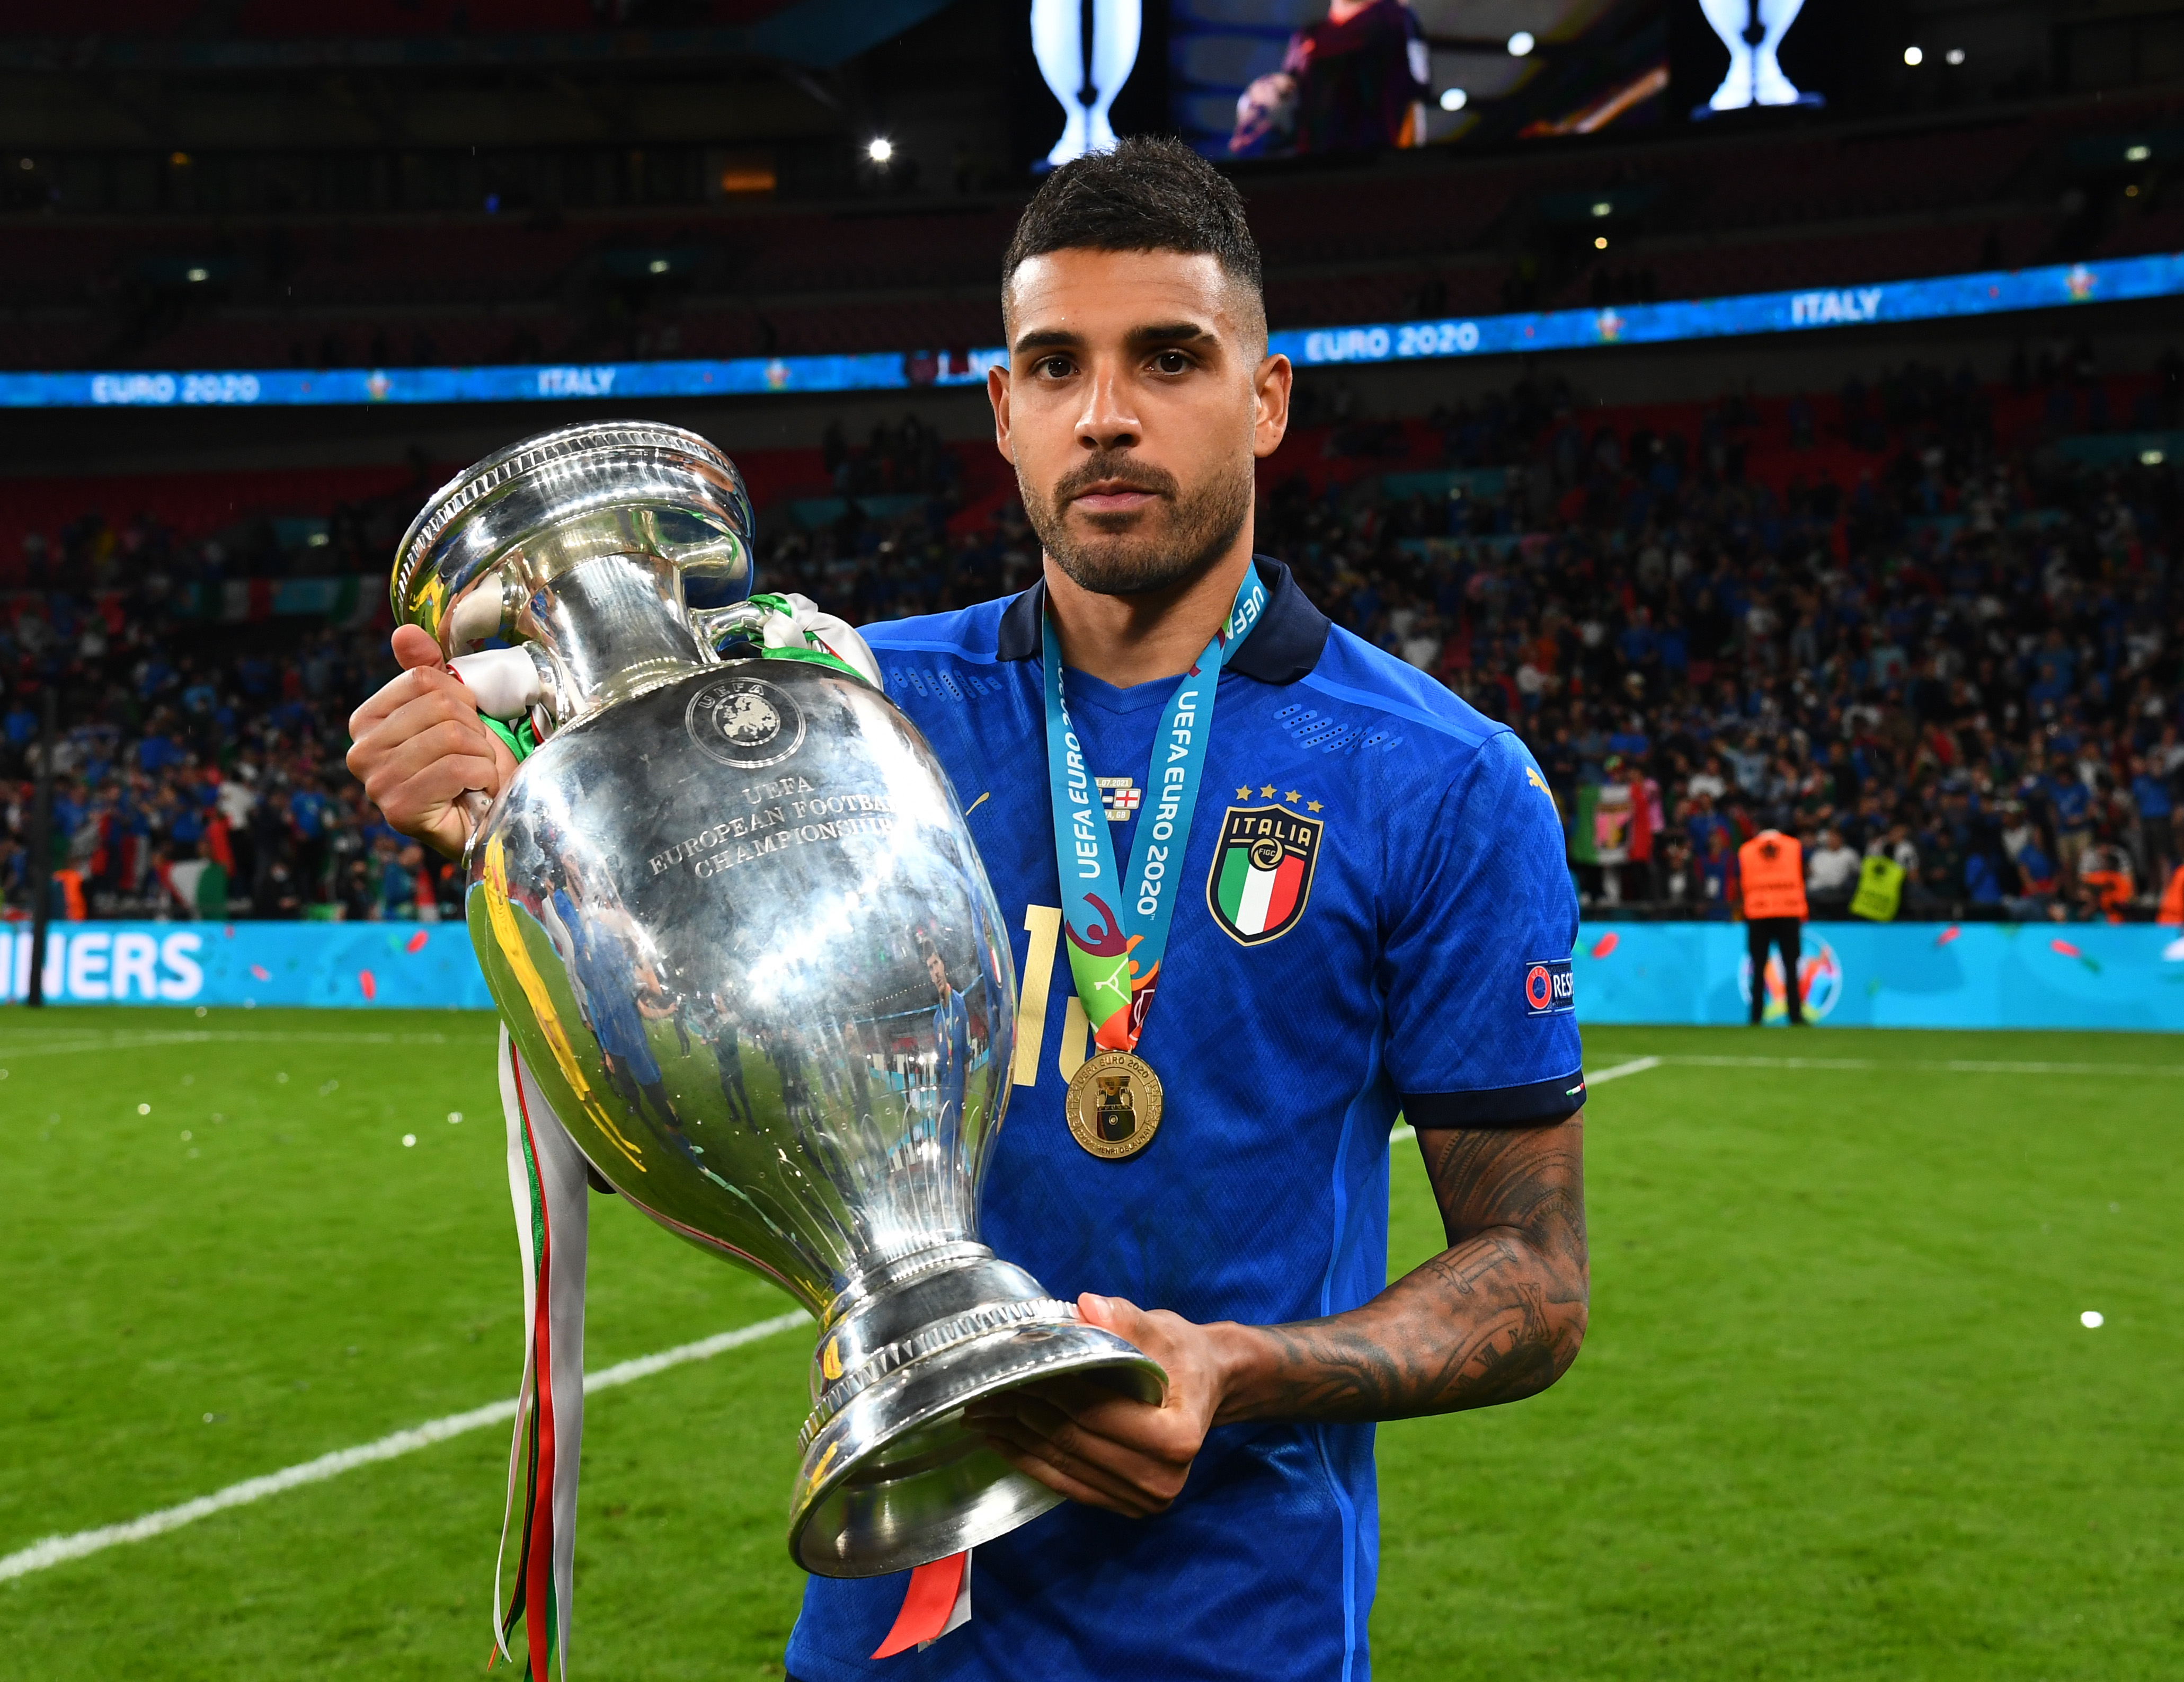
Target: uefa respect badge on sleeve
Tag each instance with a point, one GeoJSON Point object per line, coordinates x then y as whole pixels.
{"type": "Point", "coordinates": [1549, 990]}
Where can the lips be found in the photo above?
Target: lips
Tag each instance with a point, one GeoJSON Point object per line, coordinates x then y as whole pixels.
{"type": "Point", "coordinates": [1114, 496]}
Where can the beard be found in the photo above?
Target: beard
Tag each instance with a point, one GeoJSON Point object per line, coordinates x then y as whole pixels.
{"type": "Point", "coordinates": [1173, 541]}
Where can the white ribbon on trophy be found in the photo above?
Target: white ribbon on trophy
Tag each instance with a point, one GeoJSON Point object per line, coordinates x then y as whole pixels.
{"type": "Point", "coordinates": [1085, 75]}
{"type": "Point", "coordinates": [1753, 30]}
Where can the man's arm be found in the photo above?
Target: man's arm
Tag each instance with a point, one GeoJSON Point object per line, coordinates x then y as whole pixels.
{"type": "Point", "coordinates": [1496, 1316]}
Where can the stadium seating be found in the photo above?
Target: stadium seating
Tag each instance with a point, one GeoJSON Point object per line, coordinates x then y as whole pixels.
{"type": "Point", "coordinates": [1926, 617]}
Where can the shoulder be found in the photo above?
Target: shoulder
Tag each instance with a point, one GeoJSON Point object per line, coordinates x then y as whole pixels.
{"type": "Point", "coordinates": [1446, 776]}
{"type": "Point", "coordinates": [1430, 717]}
{"type": "Point", "coordinates": [970, 634]}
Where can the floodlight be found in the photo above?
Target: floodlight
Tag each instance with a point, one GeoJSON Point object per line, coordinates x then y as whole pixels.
{"type": "Point", "coordinates": [658, 265]}
{"type": "Point", "coordinates": [195, 274]}
{"type": "Point", "coordinates": [1914, 57]}
{"type": "Point", "coordinates": [880, 151]}
{"type": "Point", "coordinates": [1955, 55]}
{"type": "Point", "coordinates": [2131, 154]}
{"type": "Point", "coordinates": [1522, 43]}
{"type": "Point", "coordinates": [2152, 457]}
{"type": "Point", "coordinates": [1603, 208]}
{"type": "Point", "coordinates": [1600, 242]}
{"type": "Point", "coordinates": [1454, 99]}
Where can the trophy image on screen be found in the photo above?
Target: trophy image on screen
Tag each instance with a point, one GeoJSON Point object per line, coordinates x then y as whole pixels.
{"type": "Point", "coordinates": [1752, 31]}
{"type": "Point", "coordinates": [732, 913]}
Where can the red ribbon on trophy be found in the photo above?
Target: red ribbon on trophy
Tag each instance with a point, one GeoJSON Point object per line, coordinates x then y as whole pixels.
{"type": "Point", "coordinates": [938, 1600]}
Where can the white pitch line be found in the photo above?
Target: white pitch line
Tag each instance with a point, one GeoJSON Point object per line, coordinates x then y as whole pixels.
{"type": "Point", "coordinates": [1636, 1066]}
{"type": "Point", "coordinates": [1959, 1066]}
{"type": "Point", "coordinates": [57, 1549]}
{"type": "Point", "coordinates": [129, 1040]}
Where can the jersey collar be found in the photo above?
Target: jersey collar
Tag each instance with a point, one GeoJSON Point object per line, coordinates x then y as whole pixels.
{"type": "Point", "coordinates": [1285, 646]}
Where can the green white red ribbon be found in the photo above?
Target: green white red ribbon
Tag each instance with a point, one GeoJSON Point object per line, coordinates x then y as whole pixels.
{"type": "Point", "coordinates": [546, 1178]}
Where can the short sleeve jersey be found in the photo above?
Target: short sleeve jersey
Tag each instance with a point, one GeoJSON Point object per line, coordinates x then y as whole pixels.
{"type": "Point", "coordinates": [1373, 918]}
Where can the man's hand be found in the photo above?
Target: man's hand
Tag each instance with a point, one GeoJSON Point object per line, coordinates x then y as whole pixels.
{"type": "Point", "coordinates": [1496, 1316]}
{"type": "Point", "coordinates": [419, 745]}
{"type": "Point", "coordinates": [1108, 1449]}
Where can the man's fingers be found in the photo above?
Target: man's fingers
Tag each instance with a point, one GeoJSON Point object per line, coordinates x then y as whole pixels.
{"type": "Point", "coordinates": [388, 750]}
{"type": "Point", "coordinates": [432, 787]}
{"type": "Point", "coordinates": [1080, 1480]}
{"type": "Point", "coordinates": [1055, 1478]}
{"type": "Point", "coordinates": [1136, 1451]}
{"type": "Point", "coordinates": [397, 693]}
{"type": "Point", "coordinates": [1086, 1400]}
{"type": "Point", "coordinates": [437, 746]}
{"type": "Point", "coordinates": [427, 710]}
{"type": "Point", "coordinates": [1131, 1440]}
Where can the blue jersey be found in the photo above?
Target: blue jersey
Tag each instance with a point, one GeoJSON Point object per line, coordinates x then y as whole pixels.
{"type": "Point", "coordinates": [1374, 917]}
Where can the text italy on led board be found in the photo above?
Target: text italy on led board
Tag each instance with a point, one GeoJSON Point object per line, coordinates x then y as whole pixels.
{"type": "Point", "coordinates": [1990, 292]}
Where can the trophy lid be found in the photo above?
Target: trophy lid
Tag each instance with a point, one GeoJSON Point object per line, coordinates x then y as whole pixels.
{"type": "Point", "coordinates": [651, 488]}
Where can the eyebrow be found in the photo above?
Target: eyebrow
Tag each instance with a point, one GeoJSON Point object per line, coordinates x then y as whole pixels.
{"type": "Point", "coordinates": [1157, 332]}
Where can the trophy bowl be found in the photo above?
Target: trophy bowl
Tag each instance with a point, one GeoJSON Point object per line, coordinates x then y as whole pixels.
{"type": "Point", "coordinates": [733, 916]}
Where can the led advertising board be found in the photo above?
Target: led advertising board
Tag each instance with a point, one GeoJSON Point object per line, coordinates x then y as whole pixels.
{"type": "Point", "coordinates": [1807, 309]}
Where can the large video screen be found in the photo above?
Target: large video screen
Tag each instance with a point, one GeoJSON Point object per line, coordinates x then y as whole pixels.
{"type": "Point", "coordinates": [1285, 78]}
{"type": "Point", "coordinates": [1252, 79]}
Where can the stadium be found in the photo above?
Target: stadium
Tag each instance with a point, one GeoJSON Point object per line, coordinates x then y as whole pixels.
{"type": "Point", "coordinates": [1754, 428]}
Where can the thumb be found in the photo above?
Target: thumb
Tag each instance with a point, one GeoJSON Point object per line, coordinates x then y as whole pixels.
{"type": "Point", "coordinates": [413, 647]}
{"type": "Point", "coordinates": [1116, 1314]}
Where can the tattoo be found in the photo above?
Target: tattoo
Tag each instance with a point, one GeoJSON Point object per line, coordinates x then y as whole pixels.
{"type": "Point", "coordinates": [1496, 1316]}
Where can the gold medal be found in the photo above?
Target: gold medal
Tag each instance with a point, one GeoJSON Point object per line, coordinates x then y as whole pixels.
{"type": "Point", "coordinates": [1114, 1104]}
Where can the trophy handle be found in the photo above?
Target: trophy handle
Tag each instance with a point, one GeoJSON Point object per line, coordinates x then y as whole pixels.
{"type": "Point", "coordinates": [506, 684]}
{"type": "Point", "coordinates": [713, 625]}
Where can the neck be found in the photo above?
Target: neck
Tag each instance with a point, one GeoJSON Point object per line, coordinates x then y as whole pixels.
{"type": "Point", "coordinates": [1127, 640]}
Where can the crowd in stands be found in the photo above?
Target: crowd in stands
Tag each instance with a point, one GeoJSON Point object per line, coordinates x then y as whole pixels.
{"type": "Point", "coordinates": [1929, 638]}
{"type": "Point", "coordinates": [194, 779]}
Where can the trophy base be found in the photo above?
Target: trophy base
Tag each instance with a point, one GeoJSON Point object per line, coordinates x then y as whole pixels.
{"type": "Point", "coordinates": [891, 1478]}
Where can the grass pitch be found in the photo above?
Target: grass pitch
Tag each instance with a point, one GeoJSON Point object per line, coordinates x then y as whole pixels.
{"type": "Point", "coordinates": [1837, 1416]}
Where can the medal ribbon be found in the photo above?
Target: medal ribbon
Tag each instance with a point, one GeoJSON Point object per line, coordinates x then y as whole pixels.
{"type": "Point", "coordinates": [1117, 926]}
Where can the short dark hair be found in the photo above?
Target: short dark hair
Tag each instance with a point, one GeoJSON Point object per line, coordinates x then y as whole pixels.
{"type": "Point", "coordinates": [1150, 194]}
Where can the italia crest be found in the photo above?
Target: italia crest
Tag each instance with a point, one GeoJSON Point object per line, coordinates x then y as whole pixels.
{"type": "Point", "coordinates": [1261, 875]}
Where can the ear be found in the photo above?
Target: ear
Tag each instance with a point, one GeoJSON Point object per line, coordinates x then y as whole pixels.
{"type": "Point", "coordinates": [997, 393]}
{"type": "Point", "coordinates": [1271, 389]}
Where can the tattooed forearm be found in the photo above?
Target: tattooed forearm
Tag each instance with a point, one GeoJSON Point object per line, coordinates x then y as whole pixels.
{"type": "Point", "coordinates": [1496, 1316]}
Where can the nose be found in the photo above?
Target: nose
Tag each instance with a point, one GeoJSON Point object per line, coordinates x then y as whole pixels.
{"type": "Point", "coordinates": [1109, 419]}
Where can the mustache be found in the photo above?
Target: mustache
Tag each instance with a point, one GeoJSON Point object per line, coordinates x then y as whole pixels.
{"type": "Point", "coordinates": [1121, 468]}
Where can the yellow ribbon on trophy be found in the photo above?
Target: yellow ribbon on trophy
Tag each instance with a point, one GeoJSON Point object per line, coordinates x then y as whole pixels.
{"type": "Point", "coordinates": [510, 939]}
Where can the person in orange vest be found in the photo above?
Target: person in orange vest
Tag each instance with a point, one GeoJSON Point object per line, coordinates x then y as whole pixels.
{"type": "Point", "coordinates": [2172, 898]}
{"type": "Point", "coordinates": [2106, 879]}
{"type": "Point", "coordinates": [1771, 867]}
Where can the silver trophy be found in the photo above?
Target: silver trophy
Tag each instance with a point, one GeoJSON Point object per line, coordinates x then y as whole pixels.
{"type": "Point", "coordinates": [733, 917]}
